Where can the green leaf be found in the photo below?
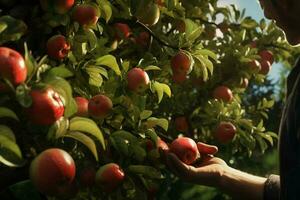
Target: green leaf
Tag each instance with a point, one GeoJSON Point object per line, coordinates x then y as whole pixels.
{"type": "Point", "coordinates": [84, 139]}
{"type": "Point", "coordinates": [146, 171]}
{"type": "Point", "coordinates": [249, 23]}
{"type": "Point", "coordinates": [70, 108]}
{"type": "Point", "coordinates": [125, 135]}
{"type": "Point", "coordinates": [145, 114]}
{"type": "Point", "coordinates": [95, 79]}
{"type": "Point", "coordinates": [3, 26]}
{"type": "Point", "coordinates": [120, 145]}
{"type": "Point", "coordinates": [151, 67]}
{"type": "Point", "coordinates": [24, 190]}
{"type": "Point", "coordinates": [5, 112]}
{"type": "Point", "coordinates": [29, 61]}
{"type": "Point", "coordinates": [206, 52]}
{"type": "Point", "coordinates": [10, 153]}
{"type": "Point", "coordinates": [58, 129]}
{"type": "Point", "coordinates": [61, 72]}
{"type": "Point", "coordinates": [106, 9]}
{"type": "Point", "coordinates": [12, 29]}
{"type": "Point", "coordinates": [152, 135]}
{"type": "Point", "coordinates": [97, 69]}
{"type": "Point", "coordinates": [161, 88]}
{"type": "Point", "coordinates": [87, 125]}
{"type": "Point", "coordinates": [7, 132]}
{"type": "Point", "coordinates": [163, 123]}
{"type": "Point", "coordinates": [23, 96]}
{"type": "Point", "coordinates": [192, 30]}
{"type": "Point", "coordinates": [266, 137]}
{"type": "Point", "coordinates": [263, 145]}
{"type": "Point", "coordinates": [109, 61]}
{"type": "Point", "coordinates": [138, 152]}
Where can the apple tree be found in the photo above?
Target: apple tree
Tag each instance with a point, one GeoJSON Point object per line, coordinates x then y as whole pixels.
{"type": "Point", "coordinates": [93, 91]}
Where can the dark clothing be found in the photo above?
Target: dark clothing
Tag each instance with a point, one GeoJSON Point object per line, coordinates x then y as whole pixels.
{"type": "Point", "coordinates": [287, 187]}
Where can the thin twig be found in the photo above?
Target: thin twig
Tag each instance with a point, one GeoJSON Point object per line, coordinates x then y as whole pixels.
{"type": "Point", "coordinates": [155, 37]}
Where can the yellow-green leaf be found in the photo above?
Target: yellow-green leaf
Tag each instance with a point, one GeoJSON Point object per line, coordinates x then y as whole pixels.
{"type": "Point", "coordinates": [10, 153]}
{"type": "Point", "coordinates": [84, 139]}
{"type": "Point", "coordinates": [152, 67]}
{"type": "Point", "coordinates": [109, 61]}
{"type": "Point", "coordinates": [160, 89]}
{"type": "Point", "coordinates": [87, 125]}
{"type": "Point", "coordinates": [5, 112]}
{"type": "Point", "coordinates": [163, 123]}
{"type": "Point", "coordinates": [7, 132]}
{"type": "Point", "coordinates": [145, 114]}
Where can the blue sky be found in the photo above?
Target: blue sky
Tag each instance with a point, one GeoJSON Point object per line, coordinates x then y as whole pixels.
{"type": "Point", "coordinates": [253, 9]}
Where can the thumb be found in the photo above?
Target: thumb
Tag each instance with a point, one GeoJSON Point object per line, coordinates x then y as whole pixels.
{"type": "Point", "coordinates": [206, 148]}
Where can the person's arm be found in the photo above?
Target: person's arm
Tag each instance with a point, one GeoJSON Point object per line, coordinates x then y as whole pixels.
{"type": "Point", "coordinates": [241, 185]}
{"type": "Point", "coordinates": [215, 172]}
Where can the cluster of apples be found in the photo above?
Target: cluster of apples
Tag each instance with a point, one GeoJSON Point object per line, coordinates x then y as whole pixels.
{"type": "Point", "coordinates": [263, 65]}
{"type": "Point", "coordinates": [223, 133]}
{"type": "Point", "coordinates": [44, 100]}
{"type": "Point", "coordinates": [53, 173]}
{"type": "Point", "coordinates": [86, 15]}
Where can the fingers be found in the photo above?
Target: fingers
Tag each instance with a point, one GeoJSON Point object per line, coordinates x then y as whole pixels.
{"type": "Point", "coordinates": [178, 167]}
{"type": "Point", "coordinates": [206, 148]}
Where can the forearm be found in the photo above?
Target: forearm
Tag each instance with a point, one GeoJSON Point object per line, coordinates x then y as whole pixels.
{"type": "Point", "coordinates": [241, 185]}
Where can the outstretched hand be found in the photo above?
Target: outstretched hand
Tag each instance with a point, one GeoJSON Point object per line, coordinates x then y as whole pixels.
{"type": "Point", "coordinates": [207, 171]}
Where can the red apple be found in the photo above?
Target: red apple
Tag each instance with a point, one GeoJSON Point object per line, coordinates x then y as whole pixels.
{"type": "Point", "coordinates": [148, 13]}
{"type": "Point", "coordinates": [223, 93]}
{"type": "Point", "coordinates": [100, 106]}
{"type": "Point", "coordinates": [82, 106]}
{"type": "Point", "coordinates": [86, 15]}
{"type": "Point", "coordinates": [12, 66]}
{"type": "Point", "coordinates": [225, 132]}
{"type": "Point", "coordinates": [51, 170]}
{"type": "Point", "coordinates": [137, 80]}
{"type": "Point", "coordinates": [143, 39]}
{"type": "Point", "coordinates": [46, 108]}
{"type": "Point", "coordinates": [181, 124]}
{"type": "Point", "coordinates": [254, 66]}
{"type": "Point", "coordinates": [109, 177]}
{"type": "Point", "coordinates": [267, 55]}
{"type": "Point", "coordinates": [122, 31]}
{"type": "Point", "coordinates": [186, 149]}
{"type": "Point", "coordinates": [181, 63]}
{"type": "Point", "coordinates": [57, 6]}
{"type": "Point", "coordinates": [87, 177]}
{"type": "Point", "coordinates": [179, 78]}
{"type": "Point", "coordinates": [58, 47]}
{"type": "Point", "coordinates": [265, 67]}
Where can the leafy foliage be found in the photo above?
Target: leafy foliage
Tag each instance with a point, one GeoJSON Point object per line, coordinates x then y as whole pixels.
{"type": "Point", "coordinates": [98, 62]}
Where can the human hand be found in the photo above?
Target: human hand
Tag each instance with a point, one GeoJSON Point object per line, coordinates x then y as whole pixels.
{"type": "Point", "coordinates": [207, 171]}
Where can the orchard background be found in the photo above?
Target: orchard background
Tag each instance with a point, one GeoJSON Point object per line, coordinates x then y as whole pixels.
{"type": "Point", "coordinates": [113, 81]}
